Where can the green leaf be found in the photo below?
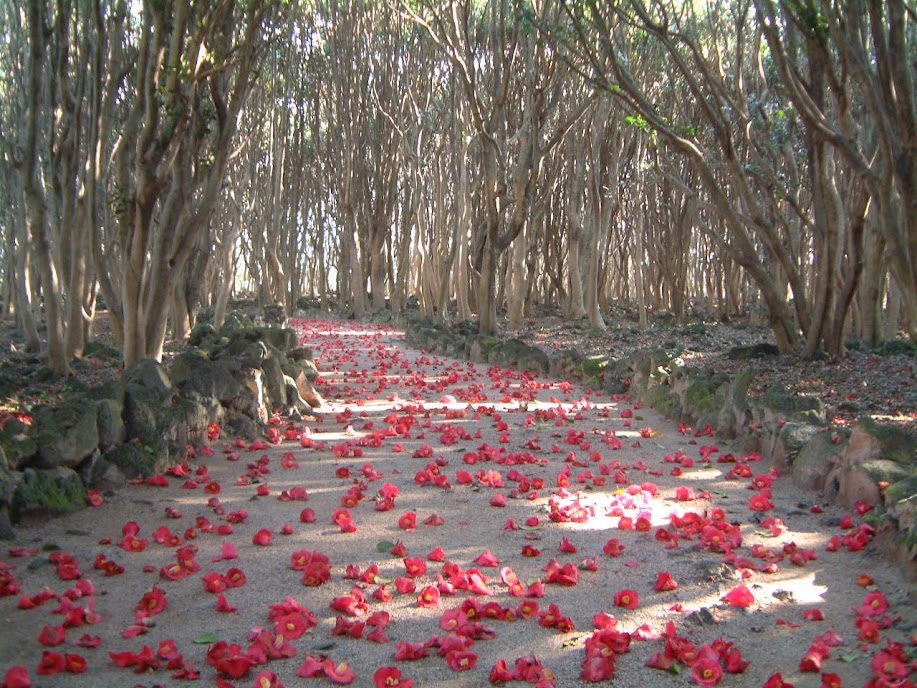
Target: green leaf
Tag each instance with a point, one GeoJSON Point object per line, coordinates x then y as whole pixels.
{"type": "Point", "coordinates": [322, 647]}
{"type": "Point", "coordinates": [851, 657]}
{"type": "Point", "coordinates": [384, 545]}
{"type": "Point", "coordinates": [207, 638]}
{"type": "Point", "coordinates": [49, 547]}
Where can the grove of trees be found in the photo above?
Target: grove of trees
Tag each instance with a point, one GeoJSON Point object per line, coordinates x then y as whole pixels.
{"type": "Point", "coordinates": [159, 156]}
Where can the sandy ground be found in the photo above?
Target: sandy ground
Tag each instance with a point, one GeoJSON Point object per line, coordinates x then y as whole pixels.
{"type": "Point", "coordinates": [426, 415]}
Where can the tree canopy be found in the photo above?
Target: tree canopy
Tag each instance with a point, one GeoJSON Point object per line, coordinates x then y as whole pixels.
{"type": "Point", "coordinates": [472, 157]}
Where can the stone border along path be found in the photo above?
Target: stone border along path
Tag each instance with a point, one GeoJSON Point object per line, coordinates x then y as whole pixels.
{"type": "Point", "coordinates": [523, 513]}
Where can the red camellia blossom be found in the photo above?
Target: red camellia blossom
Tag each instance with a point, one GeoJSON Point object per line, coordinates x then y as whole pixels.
{"type": "Point", "coordinates": [776, 681]}
{"type": "Point", "coordinates": [486, 558]}
{"type": "Point", "coordinates": [390, 677]}
{"type": "Point", "coordinates": [760, 502]}
{"type": "Point", "coordinates": [17, 677]}
{"type": "Point", "coordinates": [408, 521]}
{"type": "Point", "coordinates": [461, 660]}
{"type": "Point", "coordinates": [51, 636]}
{"type": "Point", "coordinates": [739, 596]}
{"type": "Point", "coordinates": [415, 566]}
{"type": "Point", "coordinates": [613, 548]}
{"type": "Point", "coordinates": [51, 663]}
{"type": "Point", "coordinates": [229, 659]}
{"type": "Point", "coordinates": [340, 674]}
{"type": "Point", "coordinates": [830, 681]}
{"type": "Point", "coordinates": [344, 520]}
{"type": "Point", "coordinates": [706, 670]}
{"type": "Point", "coordinates": [629, 599]}
{"type": "Point", "coordinates": [665, 582]}
{"type": "Point", "coordinates": [263, 537]}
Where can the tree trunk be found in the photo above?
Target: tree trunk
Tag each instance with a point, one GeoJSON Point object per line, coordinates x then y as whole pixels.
{"type": "Point", "coordinates": [36, 202]}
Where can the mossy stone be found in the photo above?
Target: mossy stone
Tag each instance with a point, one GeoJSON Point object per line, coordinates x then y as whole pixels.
{"type": "Point", "coordinates": [700, 396]}
{"type": "Point", "coordinates": [67, 434]}
{"type": "Point", "coordinates": [7, 482]}
{"type": "Point", "coordinates": [102, 350]}
{"type": "Point", "coordinates": [201, 333]}
{"type": "Point", "coordinates": [150, 373]}
{"type": "Point", "coordinates": [281, 338]}
{"type": "Point", "coordinates": [661, 398]}
{"type": "Point", "coordinates": [51, 491]}
{"type": "Point", "coordinates": [803, 409]}
{"type": "Point", "coordinates": [133, 460]}
{"type": "Point", "coordinates": [193, 372]}
{"type": "Point", "coordinates": [896, 444]}
{"type": "Point", "coordinates": [111, 428]}
{"type": "Point", "coordinates": [142, 410]}
{"type": "Point", "coordinates": [594, 366]}
{"type": "Point", "coordinates": [16, 443]}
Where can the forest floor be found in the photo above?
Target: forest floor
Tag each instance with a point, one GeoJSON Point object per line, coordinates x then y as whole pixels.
{"type": "Point", "coordinates": [454, 523]}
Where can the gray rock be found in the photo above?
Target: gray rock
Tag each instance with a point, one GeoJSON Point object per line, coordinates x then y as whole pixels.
{"type": "Point", "coordinates": [778, 404]}
{"type": "Point", "coordinates": [734, 413]}
{"type": "Point", "coordinates": [110, 423]}
{"type": "Point", "coordinates": [789, 439]}
{"type": "Point", "coordinates": [814, 461]}
{"type": "Point", "coordinates": [130, 460]}
{"type": "Point", "coordinates": [193, 372]}
{"type": "Point", "coordinates": [67, 435]}
{"type": "Point", "coordinates": [515, 352]}
{"type": "Point", "coordinates": [150, 374]}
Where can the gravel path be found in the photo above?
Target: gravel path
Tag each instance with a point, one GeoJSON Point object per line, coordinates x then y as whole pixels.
{"type": "Point", "coordinates": [472, 457]}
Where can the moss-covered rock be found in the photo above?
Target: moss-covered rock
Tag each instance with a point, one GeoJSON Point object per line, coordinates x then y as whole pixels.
{"type": "Point", "coordinates": [202, 334]}
{"type": "Point", "coordinates": [663, 399]}
{"type": "Point", "coordinates": [752, 351]}
{"type": "Point", "coordinates": [52, 491]}
{"type": "Point", "coordinates": [480, 346]}
{"type": "Point", "coordinates": [7, 486]}
{"type": "Point", "coordinates": [814, 459]}
{"type": "Point", "coordinates": [110, 423]}
{"type": "Point", "coordinates": [515, 352]}
{"type": "Point", "coordinates": [16, 443]}
{"type": "Point", "coordinates": [101, 350]}
{"type": "Point", "coordinates": [274, 313]}
{"type": "Point", "coordinates": [887, 441]}
{"type": "Point", "coordinates": [131, 459]}
{"type": "Point", "coordinates": [185, 422]}
{"type": "Point", "coordinates": [66, 434]}
{"type": "Point", "coordinates": [150, 374]}
{"type": "Point", "coordinates": [777, 405]}
{"type": "Point", "coordinates": [194, 374]}
{"type": "Point", "coordinates": [565, 364]}
{"type": "Point", "coordinates": [143, 408]}
{"type": "Point", "coordinates": [789, 439]}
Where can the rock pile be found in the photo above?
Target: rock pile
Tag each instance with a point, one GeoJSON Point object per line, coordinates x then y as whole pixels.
{"type": "Point", "coordinates": [236, 377]}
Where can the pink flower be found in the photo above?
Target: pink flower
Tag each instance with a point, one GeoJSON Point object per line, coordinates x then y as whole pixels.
{"type": "Point", "coordinates": [665, 582]}
{"type": "Point", "coordinates": [629, 599]}
{"type": "Point", "coordinates": [461, 660]}
{"type": "Point", "coordinates": [390, 677]}
{"type": "Point", "coordinates": [706, 670]}
{"type": "Point", "coordinates": [408, 521]}
{"type": "Point", "coordinates": [739, 596]}
{"type": "Point", "coordinates": [760, 501]}
{"type": "Point", "coordinates": [486, 558]}
{"type": "Point", "coordinates": [263, 537]}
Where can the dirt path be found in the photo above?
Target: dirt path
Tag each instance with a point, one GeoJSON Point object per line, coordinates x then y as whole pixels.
{"type": "Point", "coordinates": [473, 457]}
